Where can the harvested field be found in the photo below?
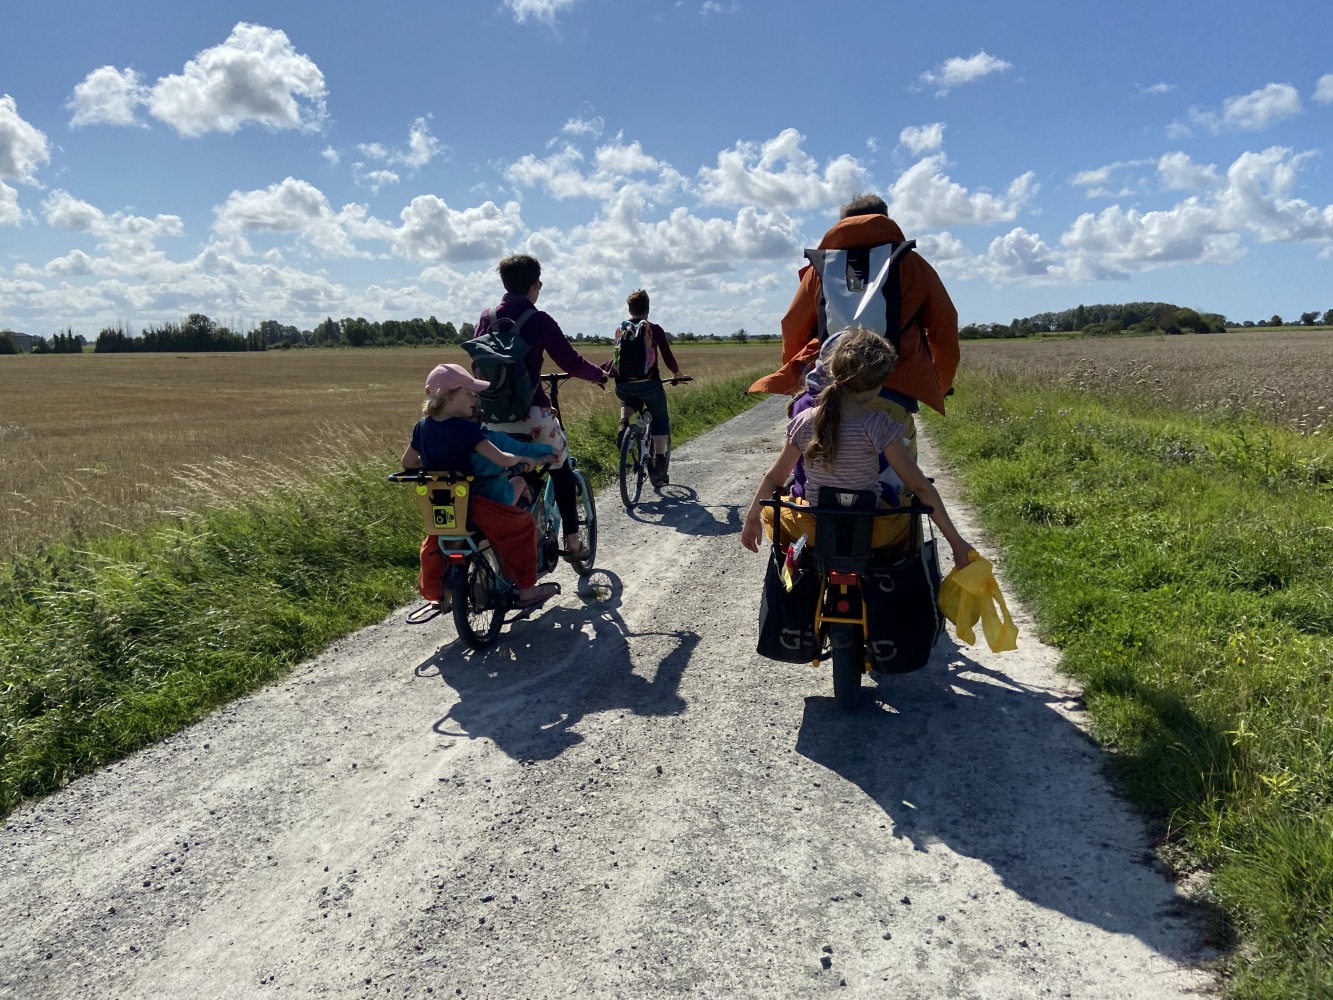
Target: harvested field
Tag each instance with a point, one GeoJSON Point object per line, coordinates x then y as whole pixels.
{"type": "Point", "coordinates": [1283, 375]}
{"type": "Point", "coordinates": [97, 442]}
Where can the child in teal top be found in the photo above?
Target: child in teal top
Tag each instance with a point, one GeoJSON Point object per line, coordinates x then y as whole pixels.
{"type": "Point", "coordinates": [493, 480]}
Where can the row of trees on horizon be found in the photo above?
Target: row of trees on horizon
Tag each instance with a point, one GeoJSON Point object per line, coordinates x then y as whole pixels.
{"type": "Point", "coordinates": [198, 333]}
{"type": "Point", "coordinates": [1128, 318]}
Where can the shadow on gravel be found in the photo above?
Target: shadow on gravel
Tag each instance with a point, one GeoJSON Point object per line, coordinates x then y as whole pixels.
{"type": "Point", "coordinates": [552, 669]}
{"type": "Point", "coordinates": [965, 757]}
{"type": "Point", "coordinates": [678, 507]}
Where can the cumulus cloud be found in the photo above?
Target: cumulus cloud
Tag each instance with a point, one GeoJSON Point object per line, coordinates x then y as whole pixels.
{"type": "Point", "coordinates": [1323, 91]}
{"type": "Point", "coordinates": [10, 213]}
{"type": "Point", "coordinates": [256, 75]}
{"type": "Point", "coordinates": [924, 197]}
{"type": "Point", "coordinates": [922, 138]}
{"type": "Point", "coordinates": [778, 173]}
{"type": "Point", "coordinates": [23, 146]}
{"type": "Point", "coordinates": [957, 71]}
{"type": "Point", "coordinates": [290, 206]}
{"type": "Point", "coordinates": [1180, 173]}
{"type": "Point", "coordinates": [1095, 181]}
{"type": "Point", "coordinates": [541, 10]}
{"type": "Point", "coordinates": [108, 96]}
{"type": "Point", "coordinates": [432, 231]}
{"type": "Point", "coordinates": [420, 149]}
{"type": "Point", "coordinates": [1252, 112]}
{"type": "Point", "coordinates": [616, 165]}
{"type": "Point", "coordinates": [585, 126]}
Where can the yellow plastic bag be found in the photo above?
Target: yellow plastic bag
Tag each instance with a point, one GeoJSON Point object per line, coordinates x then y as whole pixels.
{"type": "Point", "coordinates": [971, 593]}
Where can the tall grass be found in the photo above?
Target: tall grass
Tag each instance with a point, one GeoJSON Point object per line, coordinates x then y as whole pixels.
{"type": "Point", "coordinates": [1181, 562]}
{"type": "Point", "coordinates": [112, 641]}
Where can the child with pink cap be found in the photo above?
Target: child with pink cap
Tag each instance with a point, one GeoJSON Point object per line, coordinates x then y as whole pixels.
{"type": "Point", "coordinates": [445, 439]}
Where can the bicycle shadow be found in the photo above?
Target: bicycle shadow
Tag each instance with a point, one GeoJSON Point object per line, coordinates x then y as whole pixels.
{"type": "Point", "coordinates": [964, 758]}
{"type": "Point", "coordinates": [548, 673]}
{"type": "Point", "coordinates": [678, 507]}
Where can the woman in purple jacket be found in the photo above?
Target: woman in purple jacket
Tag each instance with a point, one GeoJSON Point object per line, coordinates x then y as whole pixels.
{"type": "Point", "coordinates": [521, 275]}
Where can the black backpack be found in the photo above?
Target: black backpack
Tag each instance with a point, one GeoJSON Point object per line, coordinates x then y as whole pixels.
{"type": "Point", "coordinates": [499, 357]}
{"type": "Point", "coordinates": [861, 286]}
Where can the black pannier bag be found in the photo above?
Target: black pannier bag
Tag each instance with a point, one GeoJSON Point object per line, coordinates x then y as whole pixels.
{"type": "Point", "coordinates": [901, 611]}
{"type": "Point", "coordinates": [787, 617]}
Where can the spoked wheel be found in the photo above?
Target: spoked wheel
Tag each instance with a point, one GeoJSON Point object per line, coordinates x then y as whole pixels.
{"type": "Point", "coordinates": [587, 508]}
{"type": "Point", "coordinates": [479, 600]}
{"type": "Point", "coordinates": [632, 469]}
{"type": "Point", "coordinates": [848, 660]}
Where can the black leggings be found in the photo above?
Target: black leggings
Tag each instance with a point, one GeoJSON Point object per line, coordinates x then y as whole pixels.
{"type": "Point", "coordinates": [565, 500]}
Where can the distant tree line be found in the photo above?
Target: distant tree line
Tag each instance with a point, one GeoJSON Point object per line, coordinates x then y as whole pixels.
{"type": "Point", "coordinates": [1131, 318]}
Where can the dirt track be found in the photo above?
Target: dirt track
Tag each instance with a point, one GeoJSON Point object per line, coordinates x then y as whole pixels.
{"type": "Point", "coordinates": [621, 800]}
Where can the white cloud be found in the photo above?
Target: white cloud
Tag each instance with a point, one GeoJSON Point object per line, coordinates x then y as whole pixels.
{"type": "Point", "coordinates": [1252, 112]}
{"type": "Point", "coordinates": [432, 231]}
{"type": "Point", "coordinates": [923, 197]}
{"type": "Point", "coordinates": [1258, 197]}
{"type": "Point", "coordinates": [615, 166]}
{"type": "Point", "coordinates": [331, 155]}
{"type": "Point", "coordinates": [64, 211]}
{"type": "Point", "coordinates": [74, 263]}
{"type": "Point", "coordinates": [714, 7]}
{"type": "Point", "coordinates": [23, 146]}
{"type": "Point", "coordinates": [1158, 88]}
{"type": "Point", "coordinates": [373, 179]}
{"type": "Point", "coordinates": [108, 96]}
{"type": "Point", "coordinates": [1323, 91]}
{"type": "Point", "coordinates": [1180, 173]}
{"type": "Point", "coordinates": [254, 76]}
{"type": "Point", "coordinates": [1095, 181]}
{"type": "Point", "coordinates": [10, 213]}
{"type": "Point", "coordinates": [290, 206]}
{"type": "Point", "coordinates": [749, 174]}
{"type": "Point", "coordinates": [422, 147]}
{"type": "Point", "coordinates": [585, 126]}
{"type": "Point", "coordinates": [922, 138]}
{"type": "Point", "coordinates": [957, 71]}
{"type": "Point", "coordinates": [542, 10]}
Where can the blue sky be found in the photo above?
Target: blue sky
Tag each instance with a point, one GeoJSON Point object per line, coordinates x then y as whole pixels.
{"type": "Point", "coordinates": [293, 161]}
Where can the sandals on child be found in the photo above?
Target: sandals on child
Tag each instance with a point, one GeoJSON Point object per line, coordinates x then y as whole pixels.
{"type": "Point", "coordinates": [544, 592]}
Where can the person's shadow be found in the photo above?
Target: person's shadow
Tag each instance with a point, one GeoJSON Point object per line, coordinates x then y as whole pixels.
{"type": "Point", "coordinates": [963, 756]}
{"type": "Point", "coordinates": [678, 507]}
{"type": "Point", "coordinates": [551, 669]}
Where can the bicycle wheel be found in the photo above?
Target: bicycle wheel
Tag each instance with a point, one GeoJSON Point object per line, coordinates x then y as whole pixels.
{"type": "Point", "coordinates": [478, 600]}
{"type": "Point", "coordinates": [848, 661]}
{"type": "Point", "coordinates": [631, 466]}
{"type": "Point", "coordinates": [587, 507]}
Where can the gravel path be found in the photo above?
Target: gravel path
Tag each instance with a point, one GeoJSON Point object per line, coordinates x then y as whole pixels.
{"type": "Point", "coordinates": [621, 800]}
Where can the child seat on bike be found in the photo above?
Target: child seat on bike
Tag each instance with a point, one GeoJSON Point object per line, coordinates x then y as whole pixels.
{"type": "Point", "coordinates": [444, 501]}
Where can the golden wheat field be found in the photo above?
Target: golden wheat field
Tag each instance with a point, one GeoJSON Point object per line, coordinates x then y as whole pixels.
{"type": "Point", "coordinates": [1283, 375]}
{"type": "Point", "coordinates": [109, 441]}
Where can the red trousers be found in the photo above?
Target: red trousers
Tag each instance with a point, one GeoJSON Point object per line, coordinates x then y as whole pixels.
{"type": "Point", "coordinates": [512, 534]}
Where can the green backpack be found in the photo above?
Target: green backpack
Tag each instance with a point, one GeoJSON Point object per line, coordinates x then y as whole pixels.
{"type": "Point", "coordinates": [499, 357]}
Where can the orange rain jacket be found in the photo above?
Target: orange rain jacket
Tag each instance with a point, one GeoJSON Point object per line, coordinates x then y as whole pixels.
{"type": "Point", "coordinates": [925, 368]}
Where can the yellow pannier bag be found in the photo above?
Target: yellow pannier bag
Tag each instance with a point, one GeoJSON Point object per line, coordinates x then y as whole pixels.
{"type": "Point", "coordinates": [971, 594]}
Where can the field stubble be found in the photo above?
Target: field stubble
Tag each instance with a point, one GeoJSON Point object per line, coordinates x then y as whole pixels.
{"type": "Point", "coordinates": [98, 443]}
{"type": "Point", "coordinates": [1281, 376]}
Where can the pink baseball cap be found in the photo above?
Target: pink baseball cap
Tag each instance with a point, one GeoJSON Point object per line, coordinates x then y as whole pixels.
{"type": "Point", "coordinates": [443, 378]}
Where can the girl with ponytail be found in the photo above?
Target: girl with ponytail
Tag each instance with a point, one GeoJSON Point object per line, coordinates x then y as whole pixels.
{"type": "Point", "coordinates": [841, 441]}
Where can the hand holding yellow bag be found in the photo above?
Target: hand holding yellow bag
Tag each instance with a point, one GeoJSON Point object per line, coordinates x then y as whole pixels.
{"type": "Point", "coordinates": [971, 593]}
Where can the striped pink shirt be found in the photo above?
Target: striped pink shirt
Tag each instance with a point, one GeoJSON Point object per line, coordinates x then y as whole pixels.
{"type": "Point", "coordinates": [862, 437]}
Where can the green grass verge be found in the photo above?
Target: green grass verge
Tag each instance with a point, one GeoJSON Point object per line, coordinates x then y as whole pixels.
{"type": "Point", "coordinates": [110, 643]}
{"type": "Point", "coordinates": [1182, 564]}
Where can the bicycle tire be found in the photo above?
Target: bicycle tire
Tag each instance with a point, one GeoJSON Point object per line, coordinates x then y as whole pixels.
{"type": "Point", "coordinates": [631, 466]}
{"type": "Point", "coordinates": [478, 604]}
{"type": "Point", "coordinates": [587, 526]}
{"type": "Point", "coordinates": [848, 661]}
